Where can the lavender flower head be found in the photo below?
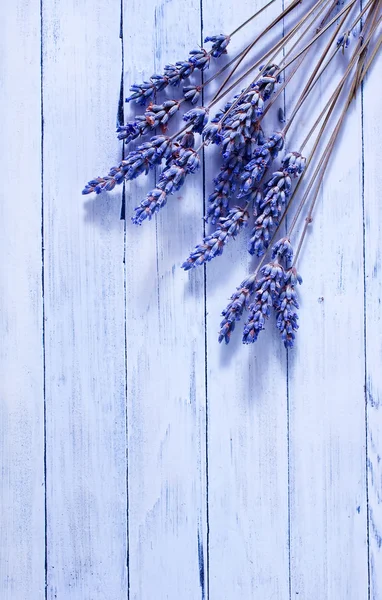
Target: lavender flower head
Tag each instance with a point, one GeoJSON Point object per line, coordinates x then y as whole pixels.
{"type": "Point", "coordinates": [276, 191]}
{"type": "Point", "coordinates": [213, 245]}
{"type": "Point", "coordinates": [141, 160]}
{"type": "Point", "coordinates": [197, 117]}
{"type": "Point", "coordinates": [219, 44]}
{"type": "Point", "coordinates": [182, 162]}
{"type": "Point", "coordinates": [174, 74]}
{"type": "Point", "coordinates": [192, 93]}
{"type": "Point", "coordinates": [266, 291]}
{"type": "Point", "coordinates": [286, 307]}
{"type": "Point", "coordinates": [285, 303]}
{"type": "Point", "coordinates": [233, 312]}
{"type": "Point", "coordinates": [255, 169]}
{"type": "Point", "coordinates": [225, 185]}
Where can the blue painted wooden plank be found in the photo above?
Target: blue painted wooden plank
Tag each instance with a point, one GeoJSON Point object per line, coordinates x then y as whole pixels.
{"type": "Point", "coordinates": [372, 182]}
{"type": "Point", "coordinates": [84, 305]}
{"type": "Point", "coordinates": [165, 343]}
{"type": "Point", "coordinates": [22, 523]}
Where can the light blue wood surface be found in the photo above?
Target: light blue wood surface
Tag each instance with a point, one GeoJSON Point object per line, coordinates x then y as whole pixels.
{"type": "Point", "coordinates": [141, 460]}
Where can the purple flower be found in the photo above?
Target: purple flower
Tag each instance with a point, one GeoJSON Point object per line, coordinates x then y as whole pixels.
{"type": "Point", "coordinates": [129, 132]}
{"type": "Point", "coordinates": [263, 156]}
{"type": "Point", "coordinates": [219, 44]}
{"type": "Point", "coordinates": [211, 132]}
{"type": "Point", "coordinates": [200, 58]}
{"type": "Point", "coordinates": [197, 117]}
{"type": "Point", "coordinates": [141, 92]}
{"type": "Point", "coordinates": [276, 192]}
{"type": "Point", "coordinates": [267, 81]}
{"type": "Point", "coordinates": [192, 93]}
{"type": "Point", "coordinates": [174, 74]}
{"type": "Point", "coordinates": [225, 185]}
{"type": "Point", "coordinates": [283, 249]}
{"type": "Point", "coordinates": [136, 162]}
{"type": "Point", "coordinates": [154, 201]}
{"type": "Point", "coordinates": [294, 163]}
{"type": "Point", "coordinates": [186, 140]}
{"type": "Point", "coordinates": [213, 245]}
{"type": "Point", "coordinates": [159, 114]}
{"type": "Point", "coordinates": [240, 126]}
{"type": "Point", "coordinates": [234, 310]}
{"type": "Point", "coordinates": [182, 162]}
{"type": "Point", "coordinates": [286, 306]}
{"type": "Point", "coordinates": [267, 289]}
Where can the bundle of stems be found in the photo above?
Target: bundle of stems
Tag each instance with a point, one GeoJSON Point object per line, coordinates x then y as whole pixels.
{"type": "Point", "coordinates": [307, 50]}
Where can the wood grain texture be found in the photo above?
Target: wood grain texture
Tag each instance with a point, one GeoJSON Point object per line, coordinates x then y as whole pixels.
{"type": "Point", "coordinates": [372, 157]}
{"type": "Point", "coordinates": [165, 345]}
{"type": "Point", "coordinates": [84, 305]}
{"type": "Point", "coordinates": [169, 467]}
{"type": "Point", "coordinates": [247, 400]}
{"type": "Point", "coordinates": [22, 548]}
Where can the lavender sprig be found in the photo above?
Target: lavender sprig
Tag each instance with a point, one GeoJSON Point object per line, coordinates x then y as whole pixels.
{"type": "Point", "coordinates": [286, 306]}
{"type": "Point", "coordinates": [271, 289]}
{"type": "Point", "coordinates": [182, 162]}
{"type": "Point", "coordinates": [174, 74]}
{"type": "Point", "coordinates": [276, 192]}
{"type": "Point", "coordinates": [232, 168]}
{"type": "Point", "coordinates": [242, 120]}
{"type": "Point", "coordinates": [211, 132]}
{"type": "Point", "coordinates": [267, 289]}
{"type": "Point", "coordinates": [213, 245]}
{"type": "Point", "coordinates": [263, 156]}
{"type": "Point", "coordinates": [141, 160]}
{"type": "Point", "coordinates": [225, 185]}
{"type": "Point", "coordinates": [234, 311]}
{"type": "Point", "coordinates": [132, 130]}
{"type": "Point", "coordinates": [156, 115]}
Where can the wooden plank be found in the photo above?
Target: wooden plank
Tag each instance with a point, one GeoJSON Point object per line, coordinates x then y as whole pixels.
{"type": "Point", "coordinates": [326, 375]}
{"type": "Point", "coordinates": [373, 287]}
{"type": "Point", "coordinates": [22, 520]}
{"type": "Point", "coordinates": [165, 336]}
{"type": "Point", "coordinates": [247, 403]}
{"type": "Point", "coordinates": [84, 300]}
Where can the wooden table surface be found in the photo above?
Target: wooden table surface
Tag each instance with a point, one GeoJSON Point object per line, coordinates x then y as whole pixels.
{"type": "Point", "coordinates": [140, 460]}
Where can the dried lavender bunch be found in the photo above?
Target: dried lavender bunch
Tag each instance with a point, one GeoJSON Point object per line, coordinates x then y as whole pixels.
{"type": "Point", "coordinates": [247, 154]}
